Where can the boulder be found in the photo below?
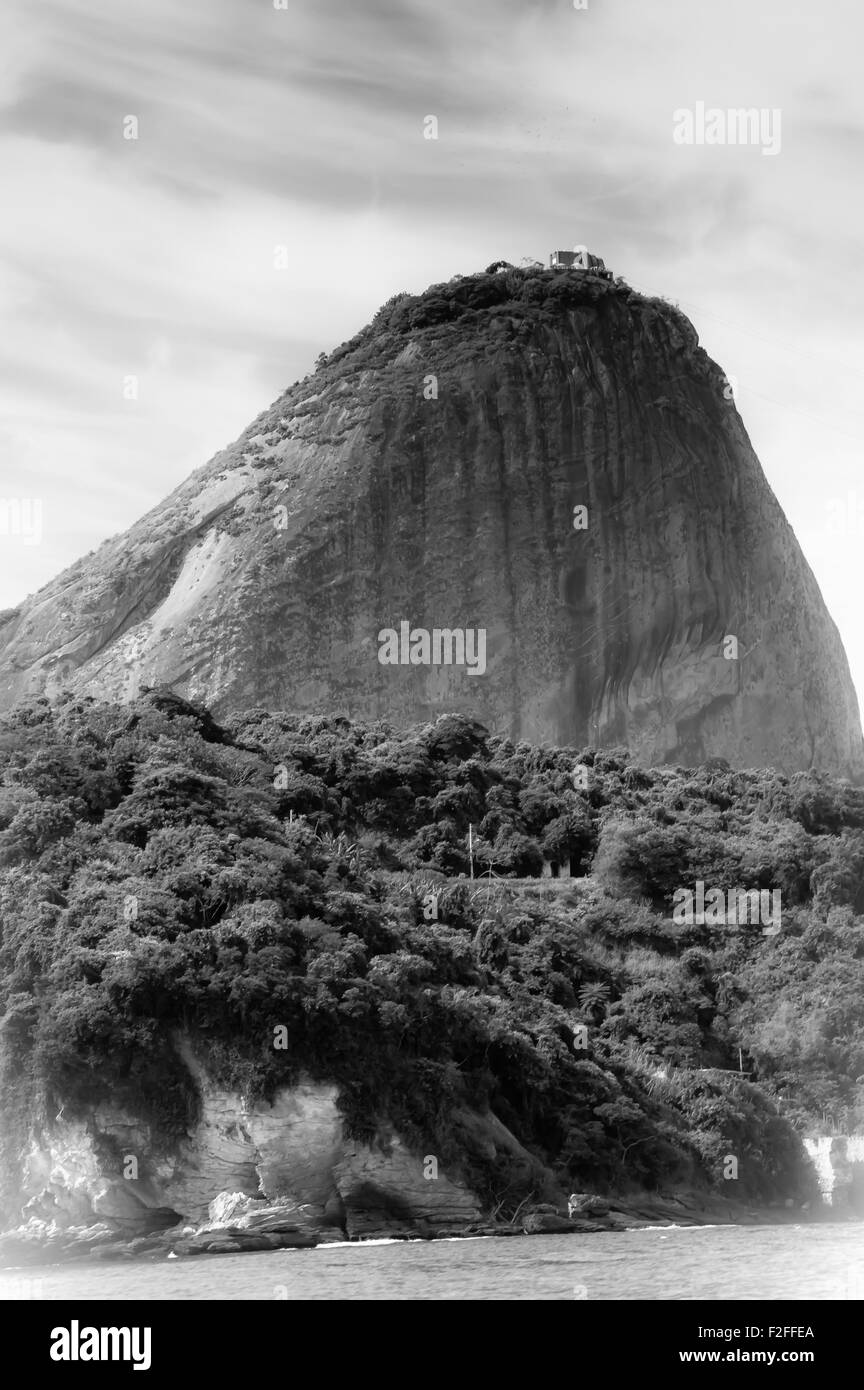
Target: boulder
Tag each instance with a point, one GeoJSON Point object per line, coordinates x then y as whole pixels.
{"type": "Point", "coordinates": [586, 1204]}
{"type": "Point", "coordinates": [493, 1230]}
{"type": "Point", "coordinates": [40, 1242]}
{"type": "Point", "coordinates": [234, 1212]}
{"type": "Point", "coordinates": [302, 1241]}
{"type": "Point", "coordinates": [239, 1239]}
{"type": "Point", "coordinates": [279, 1221]}
{"type": "Point", "coordinates": [142, 1244]}
{"type": "Point", "coordinates": [542, 1223]}
{"type": "Point", "coordinates": [229, 1208]}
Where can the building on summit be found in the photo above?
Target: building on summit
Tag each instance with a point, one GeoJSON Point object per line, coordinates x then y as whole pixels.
{"type": "Point", "coordinates": [579, 259]}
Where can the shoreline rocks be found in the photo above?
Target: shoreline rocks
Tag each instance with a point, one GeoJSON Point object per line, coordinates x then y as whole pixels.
{"type": "Point", "coordinates": [586, 1204]}
{"type": "Point", "coordinates": [26, 1247]}
{"type": "Point", "coordinates": [237, 1224]}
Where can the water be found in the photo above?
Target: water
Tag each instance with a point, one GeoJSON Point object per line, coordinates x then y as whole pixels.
{"type": "Point", "coordinates": [714, 1262]}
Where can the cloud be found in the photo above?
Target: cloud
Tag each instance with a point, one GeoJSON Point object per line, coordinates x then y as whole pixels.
{"type": "Point", "coordinates": [303, 127]}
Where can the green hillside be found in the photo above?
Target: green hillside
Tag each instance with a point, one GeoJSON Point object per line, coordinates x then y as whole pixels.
{"type": "Point", "coordinates": [162, 875]}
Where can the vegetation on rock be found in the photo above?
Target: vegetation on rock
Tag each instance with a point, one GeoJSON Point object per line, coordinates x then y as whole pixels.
{"type": "Point", "coordinates": [162, 875]}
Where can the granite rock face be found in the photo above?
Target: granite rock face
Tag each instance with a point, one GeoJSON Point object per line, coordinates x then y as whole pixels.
{"type": "Point", "coordinates": [427, 474]}
{"type": "Point", "coordinates": [245, 1170]}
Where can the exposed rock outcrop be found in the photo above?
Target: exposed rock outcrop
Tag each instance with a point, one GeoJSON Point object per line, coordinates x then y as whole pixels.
{"type": "Point", "coordinates": [428, 473]}
{"type": "Point", "coordinates": [281, 1174]}
{"type": "Point", "coordinates": [586, 1204]}
{"type": "Point", "coordinates": [541, 1223]}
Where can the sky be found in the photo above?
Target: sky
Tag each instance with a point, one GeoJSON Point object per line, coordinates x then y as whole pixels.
{"type": "Point", "coordinates": [154, 156]}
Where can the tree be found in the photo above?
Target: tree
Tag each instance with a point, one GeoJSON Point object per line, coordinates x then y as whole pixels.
{"type": "Point", "coordinates": [592, 997]}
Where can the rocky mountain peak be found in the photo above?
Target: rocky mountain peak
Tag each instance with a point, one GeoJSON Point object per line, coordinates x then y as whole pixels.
{"type": "Point", "coordinates": [534, 472]}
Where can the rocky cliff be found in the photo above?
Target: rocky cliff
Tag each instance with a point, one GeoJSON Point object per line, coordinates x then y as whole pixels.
{"type": "Point", "coordinates": [543, 456]}
{"type": "Point", "coordinates": [266, 1168]}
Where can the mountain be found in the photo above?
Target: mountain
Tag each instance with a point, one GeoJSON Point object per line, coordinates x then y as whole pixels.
{"type": "Point", "coordinates": [542, 464]}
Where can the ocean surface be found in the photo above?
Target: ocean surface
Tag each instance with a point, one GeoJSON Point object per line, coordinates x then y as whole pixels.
{"type": "Point", "coordinates": [715, 1262]}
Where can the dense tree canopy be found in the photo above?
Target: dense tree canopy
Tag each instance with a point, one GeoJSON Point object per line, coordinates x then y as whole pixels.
{"type": "Point", "coordinates": [165, 877]}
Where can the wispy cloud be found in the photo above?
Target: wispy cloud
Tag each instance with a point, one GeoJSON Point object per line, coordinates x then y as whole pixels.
{"type": "Point", "coordinates": [303, 127]}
